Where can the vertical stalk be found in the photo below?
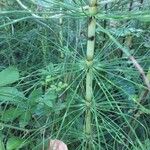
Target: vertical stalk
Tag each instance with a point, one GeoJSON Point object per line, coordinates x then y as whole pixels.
{"type": "Point", "coordinates": [44, 44]}
{"type": "Point", "coordinates": [89, 75]}
{"type": "Point", "coordinates": [105, 24]}
{"type": "Point", "coordinates": [128, 39]}
{"type": "Point", "coordinates": [91, 30]}
{"type": "Point", "coordinates": [61, 33]}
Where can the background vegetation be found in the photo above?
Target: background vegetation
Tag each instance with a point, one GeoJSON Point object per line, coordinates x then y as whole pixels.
{"type": "Point", "coordinates": [44, 68]}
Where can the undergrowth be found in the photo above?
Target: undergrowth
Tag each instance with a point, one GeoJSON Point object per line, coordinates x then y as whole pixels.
{"type": "Point", "coordinates": [43, 75]}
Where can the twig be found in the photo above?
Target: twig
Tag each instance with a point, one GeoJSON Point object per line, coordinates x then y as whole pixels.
{"type": "Point", "coordinates": [141, 71]}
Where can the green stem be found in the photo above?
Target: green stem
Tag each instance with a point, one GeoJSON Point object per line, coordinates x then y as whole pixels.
{"type": "Point", "coordinates": [61, 33]}
{"type": "Point", "coordinates": [89, 75]}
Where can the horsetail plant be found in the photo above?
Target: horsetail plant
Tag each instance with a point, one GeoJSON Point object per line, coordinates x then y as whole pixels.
{"type": "Point", "coordinates": [89, 75]}
{"type": "Point", "coordinates": [86, 92]}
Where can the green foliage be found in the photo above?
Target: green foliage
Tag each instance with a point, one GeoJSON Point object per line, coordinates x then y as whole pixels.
{"type": "Point", "coordinates": [14, 143]}
{"type": "Point", "coordinates": [10, 94]}
{"type": "Point", "coordinates": [10, 114]}
{"type": "Point", "coordinates": [42, 93]}
{"type": "Point", "coordinates": [2, 145]}
{"type": "Point", "coordinates": [8, 76]}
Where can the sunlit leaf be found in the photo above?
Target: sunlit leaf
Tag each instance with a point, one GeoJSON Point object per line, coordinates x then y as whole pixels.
{"type": "Point", "coordinates": [14, 143]}
{"type": "Point", "coordinates": [10, 94]}
{"type": "Point", "coordinates": [10, 114]}
{"type": "Point", "coordinates": [8, 76]}
{"type": "Point", "coordinates": [24, 119]}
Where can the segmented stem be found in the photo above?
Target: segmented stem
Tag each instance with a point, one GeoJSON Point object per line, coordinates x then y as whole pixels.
{"type": "Point", "coordinates": [89, 75]}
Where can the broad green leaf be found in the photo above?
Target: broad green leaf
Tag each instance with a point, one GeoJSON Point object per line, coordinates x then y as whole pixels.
{"type": "Point", "coordinates": [39, 109]}
{"type": "Point", "coordinates": [10, 94]}
{"type": "Point", "coordinates": [59, 106]}
{"type": "Point", "coordinates": [10, 114]}
{"type": "Point", "coordinates": [14, 143]}
{"type": "Point", "coordinates": [50, 95]}
{"type": "Point", "coordinates": [34, 96]}
{"type": "Point", "coordinates": [8, 76]}
{"type": "Point", "coordinates": [24, 119]}
{"type": "Point", "coordinates": [48, 103]}
{"type": "Point", "coordinates": [49, 98]}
